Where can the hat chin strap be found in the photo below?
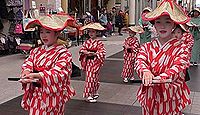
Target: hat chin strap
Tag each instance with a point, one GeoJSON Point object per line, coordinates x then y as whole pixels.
{"type": "Point", "coordinates": [174, 28]}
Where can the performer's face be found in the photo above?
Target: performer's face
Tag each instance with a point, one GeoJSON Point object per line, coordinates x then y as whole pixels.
{"type": "Point", "coordinates": [48, 37]}
{"type": "Point", "coordinates": [92, 33]}
{"type": "Point", "coordinates": [196, 13]}
{"type": "Point", "coordinates": [164, 26]}
{"type": "Point", "coordinates": [178, 33]}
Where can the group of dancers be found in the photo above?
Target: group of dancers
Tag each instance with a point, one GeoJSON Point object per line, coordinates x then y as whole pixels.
{"type": "Point", "coordinates": [161, 64]}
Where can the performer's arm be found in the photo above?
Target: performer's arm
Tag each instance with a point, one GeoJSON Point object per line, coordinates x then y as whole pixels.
{"type": "Point", "coordinates": [53, 78]}
{"type": "Point", "coordinates": [180, 63]}
{"type": "Point", "coordinates": [101, 52]}
{"type": "Point", "coordinates": [141, 62]}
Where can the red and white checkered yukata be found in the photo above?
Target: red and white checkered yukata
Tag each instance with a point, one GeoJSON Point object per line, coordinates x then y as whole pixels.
{"type": "Point", "coordinates": [92, 65]}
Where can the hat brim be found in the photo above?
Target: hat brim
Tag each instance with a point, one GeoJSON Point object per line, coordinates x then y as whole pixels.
{"type": "Point", "coordinates": [136, 29]}
{"type": "Point", "coordinates": [195, 9]}
{"type": "Point", "coordinates": [95, 26]}
{"type": "Point", "coordinates": [51, 22]}
{"type": "Point", "coordinates": [147, 9]}
{"type": "Point", "coordinates": [171, 9]}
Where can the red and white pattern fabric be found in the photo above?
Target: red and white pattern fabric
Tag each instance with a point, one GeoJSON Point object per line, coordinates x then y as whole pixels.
{"type": "Point", "coordinates": [55, 65]}
{"type": "Point", "coordinates": [169, 60]}
{"type": "Point", "coordinates": [129, 57]}
{"type": "Point", "coordinates": [92, 66]}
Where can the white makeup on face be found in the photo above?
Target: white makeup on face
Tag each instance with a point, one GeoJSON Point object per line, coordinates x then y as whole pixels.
{"type": "Point", "coordinates": [92, 33]}
{"type": "Point", "coordinates": [164, 26]}
{"type": "Point", "coordinates": [178, 33]}
{"type": "Point", "coordinates": [48, 37]}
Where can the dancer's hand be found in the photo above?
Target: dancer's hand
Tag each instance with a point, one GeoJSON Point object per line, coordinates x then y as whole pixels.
{"type": "Point", "coordinates": [147, 78]}
{"type": "Point", "coordinates": [27, 77]}
{"type": "Point", "coordinates": [91, 54]}
{"type": "Point", "coordinates": [24, 73]}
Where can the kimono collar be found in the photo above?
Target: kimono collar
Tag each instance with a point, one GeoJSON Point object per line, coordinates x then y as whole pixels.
{"type": "Point", "coordinates": [49, 47]}
{"type": "Point", "coordinates": [161, 45]}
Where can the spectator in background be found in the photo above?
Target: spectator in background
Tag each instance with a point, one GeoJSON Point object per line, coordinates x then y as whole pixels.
{"type": "Point", "coordinates": [195, 30]}
{"type": "Point", "coordinates": [113, 19]}
{"type": "Point", "coordinates": [119, 22]}
{"type": "Point", "coordinates": [103, 20]}
{"type": "Point", "coordinates": [146, 25]}
{"type": "Point", "coordinates": [126, 19]}
{"type": "Point", "coordinates": [89, 18]}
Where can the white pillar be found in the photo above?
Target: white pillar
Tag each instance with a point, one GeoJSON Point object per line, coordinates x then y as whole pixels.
{"type": "Point", "coordinates": [154, 4]}
{"type": "Point", "coordinates": [131, 12]}
{"type": "Point", "coordinates": [99, 3]}
{"type": "Point", "coordinates": [90, 5]}
{"type": "Point", "coordinates": [58, 4]}
{"type": "Point", "coordinates": [66, 10]}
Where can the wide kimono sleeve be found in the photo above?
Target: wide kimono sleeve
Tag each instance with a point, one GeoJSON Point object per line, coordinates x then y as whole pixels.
{"type": "Point", "coordinates": [135, 45]}
{"type": "Point", "coordinates": [28, 87]}
{"type": "Point", "coordinates": [141, 61]}
{"type": "Point", "coordinates": [188, 40]}
{"type": "Point", "coordinates": [84, 47]}
{"type": "Point", "coordinates": [53, 80]}
{"type": "Point", "coordinates": [125, 42]}
{"type": "Point", "coordinates": [28, 63]}
{"type": "Point", "coordinates": [180, 63]}
{"type": "Point", "coordinates": [101, 52]}
{"type": "Point", "coordinates": [82, 57]}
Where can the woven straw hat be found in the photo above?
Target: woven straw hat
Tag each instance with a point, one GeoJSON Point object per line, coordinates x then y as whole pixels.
{"type": "Point", "coordinates": [170, 8]}
{"type": "Point", "coordinates": [196, 9]}
{"type": "Point", "coordinates": [95, 26]}
{"type": "Point", "coordinates": [147, 9]}
{"type": "Point", "coordinates": [136, 29]}
{"type": "Point", "coordinates": [56, 22]}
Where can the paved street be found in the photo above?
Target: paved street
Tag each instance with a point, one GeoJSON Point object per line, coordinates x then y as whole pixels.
{"type": "Point", "coordinates": [116, 98]}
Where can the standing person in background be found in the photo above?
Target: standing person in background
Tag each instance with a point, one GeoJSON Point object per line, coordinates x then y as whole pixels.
{"type": "Point", "coordinates": [45, 75]}
{"type": "Point", "coordinates": [126, 19]}
{"type": "Point", "coordinates": [195, 20]}
{"type": "Point", "coordinates": [103, 20]}
{"type": "Point", "coordinates": [146, 25]}
{"type": "Point", "coordinates": [131, 46]}
{"type": "Point", "coordinates": [119, 22]}
{"type": "Point", "coordinates": [164, 60]}
{"type": "Point", "coordinates": [92, 56]}
{"type": "Point", "coordinates": [113, 19]}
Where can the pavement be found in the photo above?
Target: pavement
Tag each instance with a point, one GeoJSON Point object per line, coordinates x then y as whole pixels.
{"type": "Point", "coordinates": [116, 97]}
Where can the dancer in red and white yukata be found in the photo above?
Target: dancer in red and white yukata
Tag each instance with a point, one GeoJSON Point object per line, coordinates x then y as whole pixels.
{"type": "Point", "coordinates": [46, 72]}
{"type": "Point", "coordinates": [131, 46]}
{"type": "Point", "coordinates": [92, 56]}
{"type": "Point", "coordinates": [162, 59]}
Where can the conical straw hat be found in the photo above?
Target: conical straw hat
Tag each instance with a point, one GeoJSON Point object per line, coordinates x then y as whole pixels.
{"type": "Point", "coordinates": [147, 9]}
{"type": "Point", "coordinates": [196, 9]}
{"type": "Point", "coordinates": [168, 7]}
{"type": "Point", "coordinates": [95, 26]}
{"type": "Point", "coordinates": [136, 29]}
{"type": "Point", "coordinates": [54, 22]}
